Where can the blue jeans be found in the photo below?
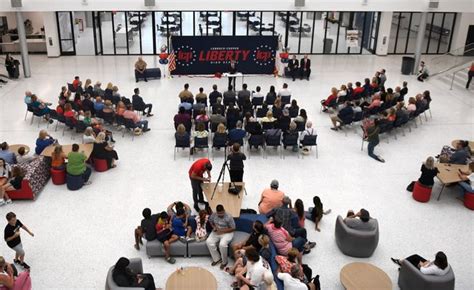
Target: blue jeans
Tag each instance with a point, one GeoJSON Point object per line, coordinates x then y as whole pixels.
{"type": "Point", "coordinates": [299, 243]}
{"type": "Point", "coordinates": [143, 124]}
{"type": "Point", "coordinates": [371, 148]}
{"type": "Point", "coordinates": [465, 187]}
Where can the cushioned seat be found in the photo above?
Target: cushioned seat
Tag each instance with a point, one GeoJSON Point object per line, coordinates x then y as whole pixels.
{"type": "Point", "coordinates": [135, 265]}
{"type": "Point", "coordinates": [100, 165]}
{"type": "Point", "coordinates": [74, 182]}
{"type": "Point", "coordinates": [155, 249]}
{"type": "Point", "coordinates": [469, 200]}
{"type": "Point", "coordinates": [356, 243]}
{"type": "Point", "coordinates": [150, 73]}
{"type": "Point", "coordinates": [410, 278]}
{"type": "Point", "coordinates": [58, 176]}
{"type": "Point", "coordinates": [421, 192]}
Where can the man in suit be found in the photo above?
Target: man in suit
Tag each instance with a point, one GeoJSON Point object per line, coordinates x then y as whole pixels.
{"type": "Point", "coordinates": [232, 70]}
{"type": "Point", "coordinates": [139, 104]}
{"type": "Point", "coordinates": [305, 67]}
{"type": "Point", "coordinates": [293, 67]}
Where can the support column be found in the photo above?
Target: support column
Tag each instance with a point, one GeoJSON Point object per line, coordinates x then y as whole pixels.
{"type": "Point", "coordinates": [23, 45]}
{"type": "Point", "coordinates": [419, 40]}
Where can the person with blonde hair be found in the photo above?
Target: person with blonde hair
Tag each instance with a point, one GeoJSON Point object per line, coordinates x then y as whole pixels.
{"type": "Point", "coordinates": [268, 118]}
{"type": "Point", "coordinates": [428, 172]}
{"type": "Point", "coordinates": [108, 91]}
{"type": "Point", "coordinates": [8, 279]}
{"type": "Point", "coordinates": [58, 158]}
{"type": "Point", "coordinates": [88, 87]}
{"type": "Point", "coordinates": [43, 141]}
{"type": "Point", "coordinates": [102, 150]}
{"type": "Point", "coordinates": [332, 99]}
{"type": "Point", "coordinates": [89, 136]}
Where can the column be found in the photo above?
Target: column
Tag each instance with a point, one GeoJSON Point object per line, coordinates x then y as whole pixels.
{"type": "Point", "coordinates": [383, 38]}
{"type": "Point", "coordinates": [23, 45]}
{"type": "Point", "coordinates": [420, 37]}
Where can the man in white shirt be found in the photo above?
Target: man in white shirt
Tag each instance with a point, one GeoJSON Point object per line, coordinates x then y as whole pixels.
{"type": "Point", "coordinates": [291, 282]}
{"type": "Point", "coordinates": [284, 91]}
{"type": "Point", "coordinates": [255, 270]}
{"type": "Point", "coordinates": [257, 93]}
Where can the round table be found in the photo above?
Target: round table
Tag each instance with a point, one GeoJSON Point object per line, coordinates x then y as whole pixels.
{"type": "Point", "coordinates": [14, 148]}
{"type": "Point", "coordinates": [363, 276]}
{"type": "Point", "coordinates": [454, 142]}
{"type": "Point", "coordinates": [191, 278]}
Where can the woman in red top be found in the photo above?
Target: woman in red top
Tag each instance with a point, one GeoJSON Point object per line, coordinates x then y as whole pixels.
{"type": "Point", "coordinates": [69, 113]}
{"type": "Point", "coordinates": [331, 99]}
{"type": "Point", "coordinates": [470, 75]}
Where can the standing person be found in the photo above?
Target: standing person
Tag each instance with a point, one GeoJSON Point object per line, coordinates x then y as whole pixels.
{"type": "Point", "coordinates": [423, 72]}
{"type": "Point", "coordinates": [196, 174]}
{"type": "Point", "coordinates": [76, 164]}
{"type": "Point", "coordinates": [293, 67]}
{"type": "Point", "coordinates": [305, 67]}
{"type": "Point", "coordinates": [382, 78]}
{"type": "Point", "coordinates": [214, 95]}
{"type": "Point", "coordinates": [470, 75]}
{"type": "Point", "coordinates": [373, 139]}
{"type": "Point", "coordinates": [232, 70]}
{"type": "Point", "coordinates": [13, 239]}
{"type": "Point", "coordinates": [10, 66]}
{"type": "Point", "coordinates": [139, 104]}
{"type": "Point", "coordinates": [223, 227]}
{"type": "Point", "coordinates": [140, 67]}
{"type": "Point", "coordinates": [236, 163]}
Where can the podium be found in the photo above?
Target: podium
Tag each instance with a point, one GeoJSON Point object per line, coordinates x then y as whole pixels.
{"type": "Point", "coordinates": [232, 203]}
{"type": "Point", "coordinates": [236, 75]}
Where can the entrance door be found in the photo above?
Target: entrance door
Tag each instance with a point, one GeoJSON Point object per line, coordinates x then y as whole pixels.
{"type": "Point", "coordinates": [66, 33]}
{"type": "Point", "coordinates": [469, 51]}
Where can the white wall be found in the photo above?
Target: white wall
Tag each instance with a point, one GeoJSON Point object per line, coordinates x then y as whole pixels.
{"type": "Point", "coordinates": [265, 5]}
{"type": "Point", "coordinates": [35, 17]}
{"type": "Point", "coordinates": [383, 39]}
{"type": "Point", "coordinates": [461, 28]}
{"type": "Point", "coordinates": [51, 33]}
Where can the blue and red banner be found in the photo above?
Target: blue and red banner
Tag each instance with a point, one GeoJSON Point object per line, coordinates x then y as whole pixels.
{"type": "Point", "coordinates": [212, 54]}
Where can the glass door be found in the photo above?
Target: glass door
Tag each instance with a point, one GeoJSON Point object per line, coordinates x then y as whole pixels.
{"type": "Point", "coordinates": [66, 33]}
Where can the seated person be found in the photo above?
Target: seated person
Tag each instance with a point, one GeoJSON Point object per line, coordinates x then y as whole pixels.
{"type": "Point", "coordinates": [123, 276]}
{"type": "Point", "coordinates": [217, 118]}
{"type": "Point", "coordinates": [200, 131]}
{"type": "Point", "coordinates": [69, 113]}
{"type": "Point", "coordinates": [252, 242]}
{"type": "Point", "coordinates": [201, 226]}
{"type": "Point", "coordinates": [202, 116]}
{"type": "Point", "coordinates": [43, 141]}
{"type": "Point", "coordinates": [173, 208]}
{"type": "Point", "coordinates": [239, 268]}
{"type": "Point", "coordinates": [102, 150]}
{"type": "Point", "coordinates": [23, 157]}
{"type": "Point", "coordinates": [428, 172]}
{"type": "Point", "coordinates": [41, 107]}
{"type": "Point", "coordinates": [286, 263]}
{"type": "Point", "coordinates": [237, 134]}
{"type": "Point", "coordinates": [309, 131]}
{"type": "Point", "coordinates": [146, 228]}
{"type": "Point", "coordinates": [360, 221]}
{"type": "Point", "coordinates": [10, 280]}
{"type": "Point", "coordinates": [438, 267]}
{"type": "Point", "coordinates": [6, 154]}
{"type": "Point", "coordinates": [182, 117]}
{"type": "Point", "coordinates": [165, 235]}
{"type": "Point", "coordinates": [131, 115]}
{"type": "Point", "coordinates": [461, 154]}
{"type": "Point", "coordinates": [411, 105]}
{"type": "Point", "coordinates": [223, 227]}
{"type": "Point", "coordinates": [375, 103]}
{"type": "Point", "coordinates": [14, 183]}
{"type": "Point", "coordinates": [268, 118]}
{"type": "Point", "coordinates": [467, 177]}
{"type": "Point", "coordinates": [218, 106]}
{"type": "Point", "coordinates": [264, 242]}
{"type": "Point", "coordinates": [302, 117]}
{"type": "Point", "coordinates": [344, 116]}
{"type": "Point", "coordinates": [76, 164]}
{"type": "Point", "coordinates": [140, 67]}
{"type": "Point", "coordinates": [186, 96]}
{"type": "Point", "coordinates": [120, 108]}
{"type": "Point", "coordinates": [229, 96]}
{"type": "Point", "coordinates": [214, 95]}
{"type": "Point", "coordinates": [201, 97]}
{"type": "Point", "coordinates": [139, 104]}
{"type": "Point", "coordinates": [282, 240]}
{"type": "Point", "coordinates": [277, 109]}
{"type": "Point", "coordinates": [329, 100]}
{"type": "Point", "coordinates": [316, 212]}
{"type": "Point", "coordinates": [89, 136]}
{"type": "Point", "coordinates": [108, 108]}
{"type": "Point", "coordinates": [253, 278]}
{"type": "Point", "coordinates": [180, 225]}
{"type": "Point", "coordinates": [98, 104]}
{"type": "Point", "coordinates": [271, 198]}
{"type": "Point", "coordinates": [292, 281]}
{"type": "Point", "coordinates": [58, 158]}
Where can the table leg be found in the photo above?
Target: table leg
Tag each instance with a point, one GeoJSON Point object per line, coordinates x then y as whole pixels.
{"type": "Point", "coordinates": [441, 191]}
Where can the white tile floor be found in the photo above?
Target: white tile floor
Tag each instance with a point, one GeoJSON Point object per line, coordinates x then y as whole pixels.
{"type": "Point", "coordinates": [79, 235]}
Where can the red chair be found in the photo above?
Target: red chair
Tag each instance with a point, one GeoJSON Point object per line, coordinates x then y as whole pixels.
{"type": "Point", "coordinates": [25, 192]}
{"type": "Point", "coordinates": [100, 165]}
{"type": "Point", "coordinates": [421, 192]}
{"type": "Point", "coordinates": [469, 200]}
{"type": "Point", "coordinates": [58, 176]}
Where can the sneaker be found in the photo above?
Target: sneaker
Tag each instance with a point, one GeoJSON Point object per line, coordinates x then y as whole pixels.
{"type": "Point", "coordinates": [333, 128]}
{"type": "Point", "coordinates": [2, 202]}
{"type": "Point", "coordinates": [311, 244]}
{"type": "Point", "coordinates": [50, 121]}
{"type": "Point", "coordinates": [306, 251]}
{"type": "Point", "coordinates": [170, 260]}
{"type": "Point", "coordinates": [182, 239]}
{"type": "Point", "coordinates": [216, 263]}
{"type": "Point", "coordinates": [88, 183]}
{"type": "Point", "coordinates": [8, 201]}
{"type": "Point", "coordinates": [190, 239]}
{"type": "Point", "coordinates": [149, 115]}
{"type": "Point", "coordinates": [381, 159]}
{"type": "Point", "coordinates": [146, 130]}
{"type": "Point", "coordinates": [396, 261]}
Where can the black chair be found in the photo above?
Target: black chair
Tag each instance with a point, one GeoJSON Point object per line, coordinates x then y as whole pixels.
{"type": "Point", "coordinates": [268, 125]}
{"type": "Point", "coordinates": [270, 99]}
{"type": "Point", "coordinates": [386, 127]}
{"type": "Point", "coordinates": [120, 120]}
{"type": "Point", "coordinates": [53, 115]}
{"type": "Point", "coordinates": [71, 88]}
{"type": "Point", "coordinates": [108, 118]}
{"type": "Point", "coordinates": [201, 143]}
{"type": "Point", "coordinates": [129, 126]}
{"type": "Point", "coordinates": [285, 100]}
{"type": "Point", "coordinates": [182, 142]}
{"type": "Point", "coordinates": [80, 127]}
{"type": "Point", "coordinates": [261, 112]}
{"type": "Point", "coordinates": [218, 141]}
{"type": "Point", "coordinates": [300, 126]}
{"type": "Point", "coordinates": [257, 101]}
{"type": "Point", "coordinates": [294, 112]}
{"type": "Point", "coordinates": [284, 124]}
{"type": "Point", "coordinates": [69, 123]}
{"type": "Point", "coordinates": [310, 141]}
{"type": "Point", "coordinates": [291, 140]}
{"type": "Point", "coordinates": [273, 140]}
{"type": "Point", "coordinates": [29, 108]}
{"type": "Point", "coordinates": [60, 119]}
{"type": "Point", "coordinates": [256, 141]}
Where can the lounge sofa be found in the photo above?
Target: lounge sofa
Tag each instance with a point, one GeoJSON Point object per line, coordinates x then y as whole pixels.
{"type": "Point", "coordinates": [150, 73]}
{"type": "Point", "coordinates": [135, 265]}
{"type": "Point", "coordinates": [355, 243]}
{"type": "Point", "coordinates": [410, 278]}
{"type": "Point", "coordinates": [37, 173]}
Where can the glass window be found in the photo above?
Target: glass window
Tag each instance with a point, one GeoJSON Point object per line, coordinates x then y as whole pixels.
{"type": "Point", "coordinates": [294, 23]}
{"type": "Point", "coordinates": [447, 31]}
{"type": "Point", "coordinates": [319, 31]}
{"type": "Point", "coordinates": [120, 33]}
{"type": "Point", "coordinates": [243, 17]}
{"type": "Point", "coordinates": [65, 32]}
{"type": "Point", "coordinates": [424, 47]}
{"type": "Point", "coordinates": [306, 32]}
{"type": "Point", "coordinates": [436, 32]}
{"type": "Point", "coordinates": [403, 32]}
{"type": "Point", "coordinates": [227, 19]}
{"type": "Point", "coordinates": [147, 31]}
{"type": "Point", "coordinates": [187, 23]}
{"type": "Point", "coordinates": [107, 32]}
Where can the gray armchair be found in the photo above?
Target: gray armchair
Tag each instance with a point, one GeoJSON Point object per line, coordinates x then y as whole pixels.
{"type": "Point", "coordinates": [356, 243]}
{"type": "Point", "coordinates": [135, 265]}
{"type": "Point", "coordinates": [410, 278]}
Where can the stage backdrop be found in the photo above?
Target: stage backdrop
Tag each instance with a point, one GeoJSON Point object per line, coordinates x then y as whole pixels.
{"type": "Point", "coordinates": [211, 54]}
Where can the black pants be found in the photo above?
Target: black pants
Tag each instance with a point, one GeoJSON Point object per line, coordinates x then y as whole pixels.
{"type": "Point", "coordinates": [469, 78]}
{"type": "Point", "coordinates": [140, 75]}
{"type": "Point", "coordinates": [415, 260]}
{"type": "Point", "coordinates": [236, 175]}
{"type": "Point", "coordinates": [300, 232]}
{"type": "Point", "coordinates": [148, 282]}
{"type": "Point", "coordinates": [293, 73]}
{"type": "Point", "coordinates": [305, 74]}
{"type": "Point", "coordinates": [149, 107]}
{"type": "Point", "coordinates": [232, 82]}
{"type": "Point", "coordinates": [197, 193]}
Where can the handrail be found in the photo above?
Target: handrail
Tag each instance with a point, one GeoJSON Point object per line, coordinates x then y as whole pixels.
{"type": "Point", "coordinates": [451, 67]}
{"type": "Point", "coordinates": [452, 52]}
{"type": "Point", "coordinates": [454, 74]}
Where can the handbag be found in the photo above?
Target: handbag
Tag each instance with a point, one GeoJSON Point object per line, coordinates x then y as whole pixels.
{"type": "Point", "coordinates": [410, 186]}
{"type": "Point", "coordinates": [235, 189]}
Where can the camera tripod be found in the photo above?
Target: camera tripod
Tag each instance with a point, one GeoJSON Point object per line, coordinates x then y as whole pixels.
{"type": "Point", "coordinates": [222, 176]}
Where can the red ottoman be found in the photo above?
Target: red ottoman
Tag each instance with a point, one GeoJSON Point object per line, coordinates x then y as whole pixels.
{"type": "Point", "coordinates": [58, 176]}
{"type": "Point", "coordinates": [421, 193]}
{"type": "Point", "coordinates": [100, 165]}
{"type": "Point", "coordinates": [469, 200]}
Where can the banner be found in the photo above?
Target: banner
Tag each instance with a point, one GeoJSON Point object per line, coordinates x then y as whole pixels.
{"type": "Point", "coordinates": [352, 38]}
{"type": "Point", "coordinates": [212, 54]}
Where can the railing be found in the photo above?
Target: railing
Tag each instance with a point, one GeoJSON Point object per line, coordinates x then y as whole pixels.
{"type": "Point", "coordinates": [450, 60]}
{"type": "Point", "coordinates": [454, 75]}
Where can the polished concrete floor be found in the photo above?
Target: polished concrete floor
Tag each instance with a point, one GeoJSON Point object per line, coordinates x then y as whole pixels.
{"type": "Point", "coordinates": [79, 235]}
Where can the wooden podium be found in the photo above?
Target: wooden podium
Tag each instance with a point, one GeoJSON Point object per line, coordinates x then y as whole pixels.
{"type": "Point", "coordinates": [232, 203]}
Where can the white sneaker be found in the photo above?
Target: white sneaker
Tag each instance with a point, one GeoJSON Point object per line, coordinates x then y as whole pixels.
{"type": "Point", "coordinates": [88, 183]}
{"type": "Point", "coordinates": [8, 201]}
{"type": "Point", "coordinates": [2, 202]}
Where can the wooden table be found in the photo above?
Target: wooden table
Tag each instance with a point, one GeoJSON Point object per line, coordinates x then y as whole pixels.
{"type": "Point", "coordinates": [14, 148]}
{"type": "Point", "coordinates": [448, 173]}
{"type": "Point", "coordinates": [232, 203]}
{"type": "Point", "coordinates": [87, 148]}
{"type": "Point", "coordinates": [455, 142]}
{"type": "Point", "coordinates": [364, 276]}
{"type": "Point", "coordinates": [191, 278]}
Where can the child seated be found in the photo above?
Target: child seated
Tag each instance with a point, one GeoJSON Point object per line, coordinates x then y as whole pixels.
{"type": "Point", "coordinates": [13, 183]}
{"type": "Point", "coordinates": [239, 268]}
{"type": "Point", "coordinates": [23, 157]}
{"type": "Point", "coordinates": [201, 222]}
{"type": "Point", "coordinates": [180, 225]}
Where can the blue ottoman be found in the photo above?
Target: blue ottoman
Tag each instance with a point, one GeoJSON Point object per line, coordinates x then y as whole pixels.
{"type": "Point", "coordinates": [74, 182]}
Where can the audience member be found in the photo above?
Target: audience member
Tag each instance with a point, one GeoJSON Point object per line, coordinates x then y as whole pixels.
{"type": "Point", "coordinates": [76, 82]}
{"type": "Point", "coordinates": [10, 279]}
{"type": "Point", "coordinates": [139, 104]}
{"type": "Point", "coordinates": [146, 228]}
{"type": "Point", "coordinates": [140, 67]}
{"type": "Point", "coordinates": [315, 213]}
{"type": "Point", "coordinates": [331, 100]}
{"type": "Point", "coordinates": [76, 164]}
{"type": "Point", "coordinates": [344, 116]}
{"type": "Point", "coordinates": [5, 172]}
{"type": "Point", "coordinates": [253, 279]}
{"type": "Point", "coordinates": [305, 67]}
{"type": "Point", "coordinates": [271, 95]}
{"type": "Point", "coordinates": [6, 154]}
{"type": "Point", "coordinates": [214, 95]}
{"type": "Point", "coordinates": [185, 95]}
{"type": "Point", "coordinates": [282, 240]}
{"type": "Point", "coordinates": [23, 156]}
{"type": "Point", "coordinates": [223, 227]}
{"type": "Point", "coordinates": [302, 117]}
{"type": "Point", "coordinates": [131, 115]}
{"type": "Point", "coordinates": [201, 226]}
{"type": "Point", "coordinates": [180, 225]}
{"type": "Point", "coordinates": [196, 175]}
{"type": "Point", "coordinates": [13, 239]}
{"type": "Point", "coordinates": [164, 234]}
{"type": "Point", "coordinates": [14, 183]}
{"type": "Point", "coordinates": [201, 97]}
{"type": "Point", "coordinates": [271, 198]}
{"type": "Point", "coordinates": [43, 141]}
{"type": "Point", "coordinates": [293, 66]}
{"type": "Point", "coordinates": [428, 172]}
{"type": "Point", "coordinates": [123, 276]}
{"type": "Point", "coordinates": [467, 180]}
{"type": "Point", "coordinates": [438, 267]}
{"type": "Point", "coordinates": [236, 164]}
{"type": "Point", "coordinates": [360, 221]}
{"type": "Point", "coordinates": [229, 96]}
{"type": "Point", "coordinates": [41, 108]}
{"type": "Point", "coordinates": [102, 150]}
{"type": "Point", "coordinates": [284, 92]}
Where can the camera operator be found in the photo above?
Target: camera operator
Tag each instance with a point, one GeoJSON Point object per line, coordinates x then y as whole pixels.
{"type": "Point", "coordinates": [236, 163]}
{"type": "Point", "coordinates": [196, 175]}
